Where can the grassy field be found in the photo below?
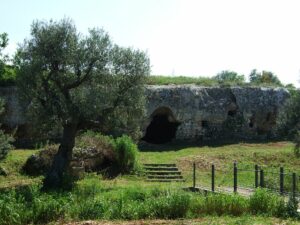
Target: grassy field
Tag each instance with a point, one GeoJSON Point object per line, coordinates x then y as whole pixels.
{"type": "Point", "coordinates": [13, 165]}
{"type": "Point", "coordinates": [271, 155]}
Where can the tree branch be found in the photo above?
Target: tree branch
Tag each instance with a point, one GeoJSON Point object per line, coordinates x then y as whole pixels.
{"type": "Point", "coordinates": [84, 78]}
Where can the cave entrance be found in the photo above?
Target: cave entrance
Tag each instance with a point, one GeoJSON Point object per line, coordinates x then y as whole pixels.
{"type": "Point", "coordinates": [162, 128]}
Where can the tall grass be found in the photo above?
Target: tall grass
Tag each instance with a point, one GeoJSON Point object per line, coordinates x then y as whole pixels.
{"type": "Point", "coordinates": [91, 201]}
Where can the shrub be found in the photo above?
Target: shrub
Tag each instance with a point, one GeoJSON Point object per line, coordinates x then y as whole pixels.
{"type": "Point", "coordinates": [265, 202]}
{"type": "Point", "coordinates": [291, 209]}
{"type": "Point", "coordinates": [126, 154]}
{"type": "Point", "coordinates": [5, 140]}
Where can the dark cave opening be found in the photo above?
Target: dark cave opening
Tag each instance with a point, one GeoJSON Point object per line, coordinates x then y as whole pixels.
{"type": "Point", "coordinates": [232, 113]}
{"type": "Point", "coordinates": [161, 130]}
{"type": "Point", "coordinates": [204, 124]}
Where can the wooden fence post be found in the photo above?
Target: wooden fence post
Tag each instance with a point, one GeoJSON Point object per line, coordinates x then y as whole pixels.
{"type": "Point", "coordinates": [213, 178]}
{"type": "Point", "coordinates": [256, 176]}
{"type": "Point", "coordinates": [281, 181]}
{"type": "Point", "coordinates": [294, 185]}
{"type": "Point", "coordinates": [262, 183]}
{"type": "Point", "coordinates": [234, 177]}
{"type": "Point", "coordinates": [194, 175]}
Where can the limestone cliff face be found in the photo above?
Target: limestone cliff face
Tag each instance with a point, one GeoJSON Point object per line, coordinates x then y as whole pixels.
{"type": "Point", "coordinates": [193, 112]}
{"type": "Point", "coordinates": [13, 114]}
{"type": "Point", "coordinates": [214, 112]}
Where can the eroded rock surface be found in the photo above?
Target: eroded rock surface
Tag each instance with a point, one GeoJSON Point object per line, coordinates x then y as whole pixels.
{"type": "Point", "coordinates": [189, 112]}
{"type": "Point", "coordinates": [214, 112]}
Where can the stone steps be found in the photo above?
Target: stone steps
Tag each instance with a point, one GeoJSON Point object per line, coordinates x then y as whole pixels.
{"type": "Point", "coordinates": [162, 173]}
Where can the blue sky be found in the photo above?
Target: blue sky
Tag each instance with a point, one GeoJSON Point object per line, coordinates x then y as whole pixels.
{"type": "Point", "coordinates": [182, 37]}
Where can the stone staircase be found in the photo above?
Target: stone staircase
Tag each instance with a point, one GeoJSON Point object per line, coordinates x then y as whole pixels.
{"type": "Point", "coordinates": [163, 173]}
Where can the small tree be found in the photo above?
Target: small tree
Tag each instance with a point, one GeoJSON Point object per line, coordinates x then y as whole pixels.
{"type": "Point", "coordinates": [77, 81]}
{"type": "Point", "coordinates": [265, 77]}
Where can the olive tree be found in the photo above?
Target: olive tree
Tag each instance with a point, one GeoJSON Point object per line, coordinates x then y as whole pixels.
{"type": "Point", "coordinates": [77, 80]}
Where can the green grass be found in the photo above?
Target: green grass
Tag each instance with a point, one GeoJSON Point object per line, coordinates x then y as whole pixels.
{"type": "Point", "coordinates": [201, 81]}
{"type": "Point", "coordinates": [166, 80]}
{"type": "Point", "coordinates": [98, 198]}
{"type": "Point", "coordinates": [268, 155]}
{"type": "Point", "coordinates": [93, 199]}
{"type": "Point", "coordinates": [272, 155]}
{"type": "Point", "coordinates": [13, 165]}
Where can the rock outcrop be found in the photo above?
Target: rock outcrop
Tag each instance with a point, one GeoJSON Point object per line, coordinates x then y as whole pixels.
{"type": "Point", "coordinates": [189, 112]}
{"type": "Point", "coordinates": [199, 113]}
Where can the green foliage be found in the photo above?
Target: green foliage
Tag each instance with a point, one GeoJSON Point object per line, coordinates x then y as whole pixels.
{"type": "Point", "coordinates": [264, 78]}
{"type": "Point", "coordinates": [93, 201]}
{"type": "Point", "coordinates": [69, 78]}
{"type": "Point", "coordinates": [167, 80]}
{"type": "Point", "coordinates": [172, 206]}
{"type": "Point", "coordinates": [3, 44]}
{"type": "Point", "coordinates": [90, 138]}
{"type": "Point", "coordinates": [229, 77]}
{"type": "Point", "coordinates": [220, 204]}
{"type": "Point", "coordinates": [224, 78]}
{"type": "Point", "coordinates": [5, 139]}
{"type": "Point", "coordinates": [8, 76]}
{"type": "Point", "coordinates": [7, 72]}
{"type": "Point", "coordinates": [126, 154]}
{"type": "Point", "coordinates": [292, 208]}
{"type": "Point", "coordinates": [297, 145]}
{"type": "Point", "coordinates": [265, 202]}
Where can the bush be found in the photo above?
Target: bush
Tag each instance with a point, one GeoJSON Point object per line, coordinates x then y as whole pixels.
{"type": "Point", "coordinates": [267, 203]}
{"type": "Point", "coordinates": [126, 154]}
{"type": "Point", "coordinates": [5, 140]}
{"type": "Point", "coordinates": [291, 209]}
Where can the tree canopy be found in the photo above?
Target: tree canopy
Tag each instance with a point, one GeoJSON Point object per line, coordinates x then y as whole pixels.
{"type": "Point", "coordinates": [76, 80]}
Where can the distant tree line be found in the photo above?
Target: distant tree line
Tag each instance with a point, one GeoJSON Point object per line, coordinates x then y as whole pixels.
{"type": "Point", "coordinates": [224, 78]}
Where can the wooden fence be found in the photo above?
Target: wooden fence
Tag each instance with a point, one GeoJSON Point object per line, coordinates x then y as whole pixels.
{"type": "Point", "coordinates": [286, 185]}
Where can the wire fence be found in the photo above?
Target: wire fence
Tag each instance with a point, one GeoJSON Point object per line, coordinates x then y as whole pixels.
{"type": "Point", "coordinates": [236, 176]}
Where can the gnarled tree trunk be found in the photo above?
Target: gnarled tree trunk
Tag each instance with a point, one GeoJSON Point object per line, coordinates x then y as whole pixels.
{"type": "Point", "coordinates": [61, 162]}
